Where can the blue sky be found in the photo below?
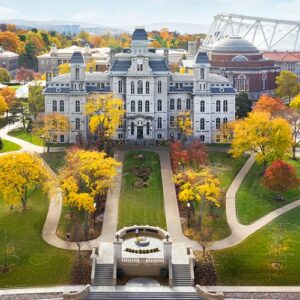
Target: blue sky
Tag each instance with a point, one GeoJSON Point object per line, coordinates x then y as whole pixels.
{"type": "Point", "coordinates": [137, 12]}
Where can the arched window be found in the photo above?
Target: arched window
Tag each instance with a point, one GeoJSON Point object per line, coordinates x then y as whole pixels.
{"type": "Point", "coordinates": [77, 106]}
{"type": "Point", "coordinates": [264, 78]}
{"type": "Point", "coordinates": [159, 87]}
{"type": "Point", "coordinates": [120, 124]}
{"type": "Point", "coordinates": [225, 106]}
{"type": "Point", "coordinates": [140, 106]}
{"type": "Point", "coordinates": [172, 104]}
{"type": "Point", "coordinates": [188, 103]}
{"type": "Point", "coordinates": [202, 124]}
{"type": "Point", "coordinates": [202, 74]}
{"type": "Point", "coordinates": [159, 123]}
{"type": "Point", "coordinates": [120, 87]}
{"type": "Point", "coordinates": [202, 138]}
{"type": "Point", "coordinates": [132, 128]}
{"type": "Point", "coordinates": [225, 121]}
{"type": "Point", "coordinates": [242, 83]}
{"type": "Point", "coordinates": [77, 74]}
{"type": "Point", "coordinates": [140, 87]}
{"type": "Point", "coordinates": [132, 87]}
{"type": "Point", "coordinates": [218, 106]}
{"type": "Point", "coordinates": [147, 106]}
{"type": "Point", "coordinates": [179, 104]}
{"type": "Point", "coordinates": [148, 128]}
{"type": "Point", "coordinates": [147, 87]}
{"type": "Point", "coordinates": [61, 105]}
{"type": "Point", "coordinates": [202, 106]}
{"type": "Point", "coordinates": [140, 67]}
{"type": "Point", "coordinates": [54, 105]}
{"type": "Point", "coordinates": [159, 105]}
{"type": "Point", "coordinates": [172, 121]}
{"type": "Point", "coordinates": [77, 124]}
{"type": "Point", "coordinates": [218, 123]}
{"type": "Point", "coordinates": [132, 106]}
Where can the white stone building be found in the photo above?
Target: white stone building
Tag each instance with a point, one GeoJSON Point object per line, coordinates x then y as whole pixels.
{"type": "Point", "coordinates": [152, 95]}
{"type": "Point", "coordinates": [9, 61]}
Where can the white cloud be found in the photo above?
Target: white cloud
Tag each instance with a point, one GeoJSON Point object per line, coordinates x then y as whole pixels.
{"type": "Point", "coordinates": [8, 12]}
{"type": "Point", "coordinates": [288, 10]}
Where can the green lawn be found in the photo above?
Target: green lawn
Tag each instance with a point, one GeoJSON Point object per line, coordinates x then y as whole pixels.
{"type": "Point", "coordinates": [26, 136]}
{"type": "Point", "coordinates": [250, 263]}
{"type": "Point", "coordinates": [225, 168]}
{"type": "Point", "coordinates": [55, 160]}
{"type": "Point", "coordinates": [9, 146]}
{"type": "Point", "coordinates": [35, 263]}
{"type": "Point", "coordinates": [141, 206]}
{"type": "Point", "coordinates": [253, 201]}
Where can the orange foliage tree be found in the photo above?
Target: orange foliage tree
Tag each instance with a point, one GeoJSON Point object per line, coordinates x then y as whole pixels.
{"type": "Point", "coordinates": [11, 42]}
{"type": "Point", "coordinates": [274, 106]}
{"type": "Point", "coordinates": [9, 95]}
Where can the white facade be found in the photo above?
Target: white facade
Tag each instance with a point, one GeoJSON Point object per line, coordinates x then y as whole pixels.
{"type": "Point", "coordinates": [153, 96]}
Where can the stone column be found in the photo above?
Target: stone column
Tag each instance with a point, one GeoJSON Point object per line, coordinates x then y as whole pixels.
{"type": "Point", "coordinates": [167, 249]}
{"type": "Point", "coordinates": [118, 249]}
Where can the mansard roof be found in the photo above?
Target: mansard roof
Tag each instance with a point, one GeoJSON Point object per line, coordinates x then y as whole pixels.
{"type": "Point", "coordinates": [139, 34]}
{"type": "Point", "coordinates": [121, 66]}
{"type": "Point", "coordinates": [158, 66]}
{"type": "Point", "coordinates": [77, 58]}
{"type": "Point", "coordinates": [202, 57]}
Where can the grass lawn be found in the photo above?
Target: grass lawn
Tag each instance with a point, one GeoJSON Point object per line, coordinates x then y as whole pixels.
{"type": "Point", "coordinates": [55, 160]}
{"type": "Point", "coordinates": [34, 262]}
{"type": "Point", "coordinates": [250, 263]}
{"type": "Point", "coordinates": [141, 206]}
{"type": "Point", "coordinates": [254, 201]}
{"type": "Point", "coordinates": [26, 136]}
{"type": "Point", "coordinates": [9, 146]}
{"type": "Point", "coordinates": [225, 168]}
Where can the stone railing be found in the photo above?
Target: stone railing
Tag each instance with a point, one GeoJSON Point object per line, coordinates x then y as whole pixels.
{"type": "Point", "coordinates": [115, 275]}
{"type": "Point", "coordinates": [170, 273]}
{"type": "Point", "coordinates": [94, 256]}
{"type": "Point", "coordinates": [142, 261]}
{"type": "Point", "coordinates": [156, 231]}
{"type": "Point", "coordinates": [77, 295]}
{"type": "Point", "coordinates": [191, 262]}
{"type": "Point", "coordinates": [207, 295]}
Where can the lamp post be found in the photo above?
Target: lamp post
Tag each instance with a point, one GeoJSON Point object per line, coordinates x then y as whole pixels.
{"type": "Point", "coordinates": [95, 205]}
{"type": "Point", "coordinates": [188, 211]}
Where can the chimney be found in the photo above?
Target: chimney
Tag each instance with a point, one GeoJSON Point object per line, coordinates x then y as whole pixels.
{"type": "Point", "coordinates": [112, 57]}
{"type": "Point", "coordinates": [166, 54]}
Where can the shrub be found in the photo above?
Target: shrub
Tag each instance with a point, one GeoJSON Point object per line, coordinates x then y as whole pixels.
{"type": "Point", "coordinates": [164, 273]}
{"type": "Point", "coordinates": [120, 273]}
{"type": "Point", "coordinates": [1, 144]}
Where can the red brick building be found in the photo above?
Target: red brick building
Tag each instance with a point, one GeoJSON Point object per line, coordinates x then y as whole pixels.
{"type": "Point", "coordinates": [242, 63]}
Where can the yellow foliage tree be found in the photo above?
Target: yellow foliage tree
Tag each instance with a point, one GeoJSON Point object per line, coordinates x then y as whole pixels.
{"type": "Point", "coordinates": [105, 114]}
{"type": "Point", "coordinates": [3, 105]}
{"type": "Point", "coordinates": [269, 138]}
{"type": "Point", "coordinates": [198, 187]}
{"type": "Point", "coordinates": [64, 69]}
{"type": "Point", "coordinates": [287, 85]}
{"type": "Point", "coordinates": [91, 64]}
{"type": "Point", "coordinates": [184, 123]}
{"type": "Point", "coordinates": [20, 174]}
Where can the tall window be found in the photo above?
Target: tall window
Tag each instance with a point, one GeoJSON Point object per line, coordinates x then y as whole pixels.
{"type": "Point", "coordinates": [264, 78]}
{"type": "Point", "coordinates": [202, 73]}
{"type": "Point", "coordinates": [178, 104]}
{"type": "Point", "coordinates": [147, 87]}
{"type": "Point", "coordinates": [77, 124]}
{"type": "Point", "coordinates": [188, 103]}
{"type": "Point", "coordinates": [140, 67]}
{"type": "Point", "coordinates": [132, 87]}
{"type": "Point", "coordinates": [218, 106]}
{"type": "Point", "coordinates": [77, 74]}
{"type": "Point", "coordinates": [225, 121]}
{"type": "Point", "coordinates": [202, 124]}
{"type": "Point", "coordinates": [54, 105]}
{"type": "Point", "coordinates": [159, 87]}
{"type": "Point", "coordinates": [202, 106]}
{"type": "Point", "coordinates": [140, 106]}
{"type": "Point", "coordinates": [159, 105]}
{"type": "Point", "coordinates": [218, 123]}
{"type": "Point", "coordinates": [120, 87]}
{"type": "Point", "coordinates": [172, 104]}
{"type": "Point", "coordinates": [172, 121]}
{"type": "Point", "coordinates": [159, 123]}
{"type": "Point", "coordinates": [77, 106]}
{"type": "Point", "coordinates": [225, 105]}
{"type": "Point", "coordinates": [140, 87]}
{"type": "Point", "coordinates": [202, 138]}
{"type": "Point", "coordinates": [132, 128]}
{"type": "Point", "coordinates": [61, 105]}
{"type": "Point", "coordinates": [148, 128]}
{"type": "Point", "coordinates": [132, 106]}
{"type": "Point", "coordinates": [147, 106]}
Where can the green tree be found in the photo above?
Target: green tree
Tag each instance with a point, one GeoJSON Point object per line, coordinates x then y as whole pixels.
{"type": "Point", "coordinates": [287, 85]}
{"type": "Point", "coordinates": [36, 100]}
{"type": "Point", "coordinates": [4, 75]}
{"type": "Point", "coordinates": [243, 105]}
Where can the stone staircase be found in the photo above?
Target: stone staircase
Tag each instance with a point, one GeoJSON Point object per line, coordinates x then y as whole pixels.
{"type": "Point", "coordinates": [181, 275]}
{"type": "Point", "coordinates": [143, 295]}
{"type": "Point", "coordinates": [104, 275]}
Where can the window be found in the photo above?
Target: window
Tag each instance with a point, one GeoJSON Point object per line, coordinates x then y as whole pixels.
{"type": "Point", "coordinates": [242, 83]}
{"type": "Point", "coordinates": [148, 128]}
{"type": "Point", "coordinates": [202, 138]}
{"type": "Point", "coordinates": [147, 106]}
{"type": "Point", "coordinates": [77, 106]}
{"type": "Point", "coordinates": [120, 87]}
{"type": "Point", "coordinates": [202, 124]}
{"type": "Point", "coordinates": [218, 123]}
{"type": "Point", "coordinates": [61, 105]}
{"type": "Point", "coordinates": [140, 87]}
{"type": "Point", "coordinates": [264, 81]}
{"type": "Point", "coordinates": [132, 128]}
{"type": "Point", "coordinates": [179, 85]}
{"type": "Point", "coordinates": [77, 74]}
{"type": "Point", "coordinates": [172, 121]}
{"type": "Point", "coordinates": [159, 105]}
{"type": "Point", "coordinates": [140, 106]}
{"type": "Point", "coordinates": [140, 67]}
{"type": "Point", "coordinates": [225, 121]}
{"type": "Point", "coordinates": [159, 87]}
{"type": "Point", "coordinates": [202, 74]}
{"type": "Point", "coordinates": [159, 123]}
{"type": "Point", "coordinates": [132, 87]}
{"type": "Point", "coordinates": [202, 106]}
{"type": "Point", "coordinates": [188, 103]}
{"type": "Point", "coordinates": [54, 105]}
{"type": "Point", "coordinates": [179, 104]}
{"type": "Point", "coordinates": [77, 124]}
{"type": "Point", "coordinates": [218, 106]}
{"type": "Point", "coordinates": [172, 104]}
{"type": "Point", "coordinates": [62, 138]}
{"type": "Point", "coordinates": [159, 136]}
{"type": "Point", "coordinates": [120, 136]}
{"type": "Point", "coordinates": [225, 106]}
{"type": "Point", "coordinates": [147, 87]}
{"type": "Point", "coordinates": [132, 106]}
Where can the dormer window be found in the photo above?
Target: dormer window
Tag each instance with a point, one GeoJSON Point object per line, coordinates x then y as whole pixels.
{"type": "Point", "coordinates": [202, 74]}
{"type": "Point", "coordinates": [140, 65]}
{"type": "Point", "coordinates": [77, 74]}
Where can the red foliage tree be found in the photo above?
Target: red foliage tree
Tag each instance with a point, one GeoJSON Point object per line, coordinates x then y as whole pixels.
{"type": "Point", "coordinates": [25, 75]}
{"type": "Point", "coordinates": [280, 177]}
{"type": "Point", "coordinates": [274, 106]}
{"type": "Point", "coordinates": [197, 154]}
{"type": "Point", "coordinates": [178, 155]}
